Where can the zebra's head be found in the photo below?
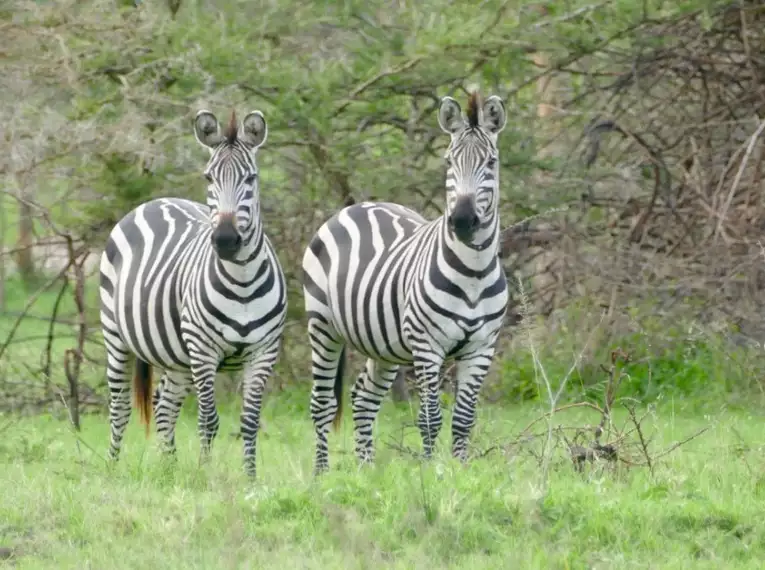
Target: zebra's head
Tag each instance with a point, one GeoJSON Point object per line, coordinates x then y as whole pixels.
{"type": "Point", "coordinates": [472, 162]}
{"type": "Point", "coordinates": [232, 177]}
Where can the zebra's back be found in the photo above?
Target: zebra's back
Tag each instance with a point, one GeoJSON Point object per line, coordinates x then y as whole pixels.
{"type": "Point", "coordinates": [357, 271]}
{"type": "Point", "coordinates": [145, 270]}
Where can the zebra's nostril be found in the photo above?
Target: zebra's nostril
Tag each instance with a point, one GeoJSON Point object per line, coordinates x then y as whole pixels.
{"type": "Point", "coordinates": [466, 223]}
{"type": "Point", "coordinates": [226, 240]}
{"type": "Point", "coordinates": [464, 218]}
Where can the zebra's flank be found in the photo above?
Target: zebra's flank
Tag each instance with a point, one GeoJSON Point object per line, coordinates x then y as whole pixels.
{"type": "Point", "coordinates": [473, 104]}
{"type": "Point", "coordinates": [142, 389]}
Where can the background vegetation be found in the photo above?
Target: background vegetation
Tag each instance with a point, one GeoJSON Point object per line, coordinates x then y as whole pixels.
{"type": "Point", "coordinates": [632, 197]}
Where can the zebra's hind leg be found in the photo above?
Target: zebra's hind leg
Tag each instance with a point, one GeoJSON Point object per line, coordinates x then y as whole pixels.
{"type": "Point", "coordinates": [176, 386]}
{"type": "Point", "coordinates": [327, 356]}
{"type": "Point", "coordinates": [119, 368]}
{"type": "Point", "coordinates": [470, 372]}
{"type": "Point", "coordinates": [256, 375]}
{"type": "Point", "coordinates": [158, 393]}
{"type": "Point", "coordinates": [367, 395]}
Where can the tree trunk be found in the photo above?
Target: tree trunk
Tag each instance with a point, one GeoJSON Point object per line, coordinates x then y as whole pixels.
{"type": "Point", "coordinates": [24, 259]}
{"type": "Point", "coordinates": [3, 226]}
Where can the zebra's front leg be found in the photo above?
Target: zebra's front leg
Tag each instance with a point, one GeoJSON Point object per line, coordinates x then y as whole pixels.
{"type": "Point", "coordinates": [470, 372]}
{"type": "Point", "coordinates": [176, 387]}
{"type": "Point", "coordinates": [366, 397]}
{"type": "Point", "coordinates": [256, 375]}
{"type": "Point", "coordinates": [427, 369]}
{"type": "Point", "coordinates": [203, 371]}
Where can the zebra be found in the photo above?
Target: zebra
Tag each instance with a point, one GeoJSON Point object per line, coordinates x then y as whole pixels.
{"type": "Point", "coordinates": [404, 291]}
{"type": "Point", "coordinates": [193, 289]}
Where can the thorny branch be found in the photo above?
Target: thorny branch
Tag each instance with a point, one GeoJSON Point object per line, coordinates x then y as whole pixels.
{"type": "Point", "coordinates": [627, 445]}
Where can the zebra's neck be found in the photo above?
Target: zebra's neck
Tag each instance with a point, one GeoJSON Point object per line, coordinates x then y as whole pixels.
{"type": "Point", "coordinates": [483, 249]}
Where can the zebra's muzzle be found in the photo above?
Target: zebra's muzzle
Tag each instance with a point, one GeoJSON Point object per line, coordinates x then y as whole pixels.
{"type": "Point", "coordinates": [463, 219]}
{"type": "Point", "coordinates": [226, 240]}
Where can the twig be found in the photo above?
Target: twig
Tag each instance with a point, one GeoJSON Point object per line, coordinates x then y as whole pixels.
{"type": "Point", "coordinates": [404, 449]}
{"type": "Point", "coordinates": [73, 373]}
{"type": "Point", "coordinates": [374, 79]}
{"type": "Point", "coordinates": [77, 438]}
{"type": "Point", "coordinates": [560, 409]}
{"type": "Point", "coordinates": [679, 443]}
{"type": "Point", "coordinates": [540, 371]}
{"type": "Point", "coordinates": [750, 147]}
{"type": "Point", "coordinates": [31, 301]}
{"type": "Point", "coordinates": [51, 327]}
{"type": "Point", "coordinates": [643, 443]}
{"type": "Point", "coordinates": [571, 15]}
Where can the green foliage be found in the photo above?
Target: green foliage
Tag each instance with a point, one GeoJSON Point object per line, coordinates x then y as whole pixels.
{"type": "Point", "coordinates": [351, 88]}
{"type": "Point", "coordinates": [683, 359]}
{"type": "Point", "coordinates": [350, 92]}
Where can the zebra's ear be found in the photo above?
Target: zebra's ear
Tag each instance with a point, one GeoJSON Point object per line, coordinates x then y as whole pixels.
{"type": "Point", "coordinates": [494, 116]}
{"type": "Point", "coordinates": [254, 130]}
{"type": "Point", "coordinates": [450, 116]}
{"type": "Point", "coordinates": [207, 129]}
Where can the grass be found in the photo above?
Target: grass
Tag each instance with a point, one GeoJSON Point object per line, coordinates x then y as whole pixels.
{"type": "Point", "coordinates": [63, 507]}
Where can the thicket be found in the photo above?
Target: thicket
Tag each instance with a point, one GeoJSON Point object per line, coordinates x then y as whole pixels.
{"type": "Point", "coordinates": [631, 165]}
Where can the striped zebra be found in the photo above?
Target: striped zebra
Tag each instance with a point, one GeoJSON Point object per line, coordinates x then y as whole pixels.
{"type": "Point", "coordinates": [405, 291]}
{"type": "Point", "coordinates": [193, 289]}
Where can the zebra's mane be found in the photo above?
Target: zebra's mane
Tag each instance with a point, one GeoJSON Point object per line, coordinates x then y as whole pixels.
{"type": "Point", "coordinates": [231, 130]}
{"type": "Point", "coordinates": [473, 104]}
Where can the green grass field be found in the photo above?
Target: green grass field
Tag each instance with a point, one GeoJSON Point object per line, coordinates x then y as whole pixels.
{"type": "Point", "coordinates": [63, 507]}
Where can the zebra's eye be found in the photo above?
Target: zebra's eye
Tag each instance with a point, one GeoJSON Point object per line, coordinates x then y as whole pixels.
{"type": "Point", "coordinates": [492, 163]}
{"type": "Point", "coordinates": [208, 177]}
{"type": "Point", "coordinates": [448, 162]}
{"type": "Point", "coordinates": [250, 180]}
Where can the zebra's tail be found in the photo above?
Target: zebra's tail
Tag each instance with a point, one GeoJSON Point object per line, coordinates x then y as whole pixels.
{"type": "Point", "coordinates": [142, 391]}
{"type": "Point", "coordinates": [339, 389]}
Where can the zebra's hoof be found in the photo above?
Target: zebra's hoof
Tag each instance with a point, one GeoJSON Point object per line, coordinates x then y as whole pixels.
{"type": "Point", "coordinates": [169, 455]}
{"type": "Point", "coordinates": [365, 460]}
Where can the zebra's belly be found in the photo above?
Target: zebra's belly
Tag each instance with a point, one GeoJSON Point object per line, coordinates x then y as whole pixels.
{"type": "Point", "coordinates": [397, 353]}
{"type": "Point", "coordinates": [156, 354]}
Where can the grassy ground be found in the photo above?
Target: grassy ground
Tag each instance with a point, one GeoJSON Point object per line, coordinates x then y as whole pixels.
{"type": "Point", "coordinates": [62, 507]}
